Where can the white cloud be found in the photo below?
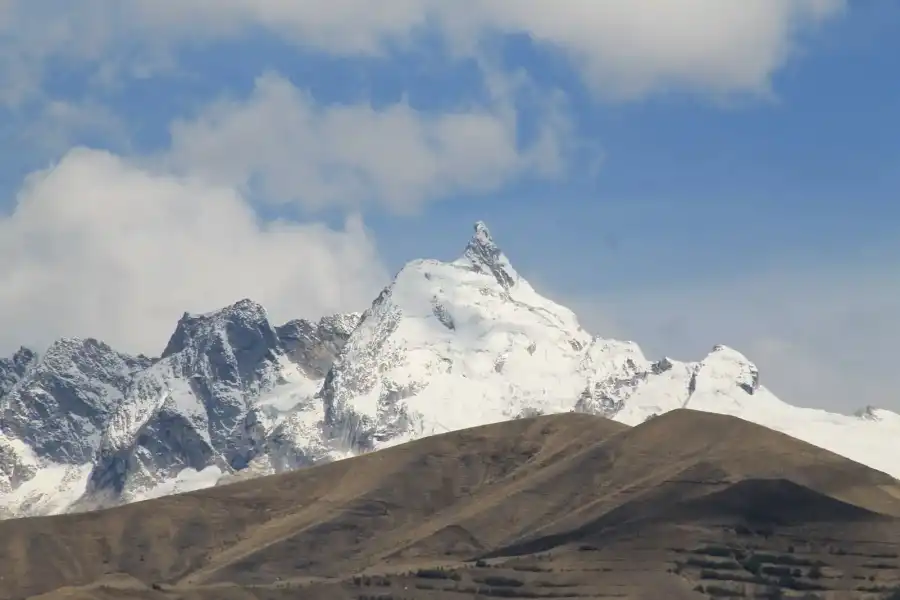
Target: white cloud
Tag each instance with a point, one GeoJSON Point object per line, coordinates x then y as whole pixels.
{"type": "Point", "coordinates": [339, 26]}
{"type": "Point", "coordinates": [117, 248]}
{"type": "Point", "coordinates": [295, 150]}
{"type": "Point", "coordinates": [623, 49]}
{"type": "Point", "coordinates": [629, 49]}
{"type": "Point", "coordinates": [98, 247]}
{"type": "Point", "coordinates": [823, 338]}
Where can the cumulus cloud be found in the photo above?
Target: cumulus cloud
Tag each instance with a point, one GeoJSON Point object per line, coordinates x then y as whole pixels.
{"type": "Point", "coordinates": [629, 49]}
{"type": "Point", "coordinates": [623, 49]}
{"type": "Point", "coordinates": [99, 247]}
{"type": "Point", "coordinates": [117, 248]}
{"type": "Point", "coordinates": [295, 150]}
{"type": "Point", "coordinates": [821, 338]}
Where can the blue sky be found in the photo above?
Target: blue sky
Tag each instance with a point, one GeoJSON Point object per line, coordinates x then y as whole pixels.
{"type": "Point", "coordinates": [679, 178]}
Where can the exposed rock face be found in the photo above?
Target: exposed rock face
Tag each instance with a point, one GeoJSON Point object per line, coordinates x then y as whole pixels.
{"type": "Point", "coordinates": [13, 369]}
{"type": "Point", "coordinates": [200, 406]}
{"type": "Point", "coordinates": [59, 404]}
{"type": "Point", "coordinates": [119, 428]}
{"type": "Point", "coordinates": [314, 346]}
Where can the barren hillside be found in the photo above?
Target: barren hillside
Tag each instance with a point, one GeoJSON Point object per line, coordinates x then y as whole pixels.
{"type": "Point", "coordinates": [687, 505]}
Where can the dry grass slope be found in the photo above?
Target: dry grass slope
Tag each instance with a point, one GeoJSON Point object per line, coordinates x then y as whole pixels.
{"type": "Point", "coordinates": [687, 505]}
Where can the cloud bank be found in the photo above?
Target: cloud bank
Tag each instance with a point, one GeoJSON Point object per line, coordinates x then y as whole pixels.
{"type": "Point", "coordinates": [99, 247]}
{"type": "Point", "coordinates": [118, 246]}
{"type": "Point", "coordinates": [298, 151]}
{"type": "Point", "coordinates": [622, 49]}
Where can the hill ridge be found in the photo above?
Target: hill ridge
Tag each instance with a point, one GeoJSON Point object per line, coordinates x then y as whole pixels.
{"type": "Point", "coordinates": [550, 489]}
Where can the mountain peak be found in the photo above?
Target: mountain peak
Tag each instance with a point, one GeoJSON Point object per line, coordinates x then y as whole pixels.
{"type": "Point", "coordinates": [244, 310]}
{"type": "Point", "coordinates": [13, 369]}
{"type": "Point", "coordinates": [19, 361]}
{"type": "Point", "coordinates": [726, 363]}
{"type": "Point", "coordinates": [481, 228]}
{"type": "Point", "coordinates": [486, 257]}
{"type": "Point", "coordinates": [67, 351]}
{"type": "Point", "coordinates": [23, 355]}
{"type": "Point", "coordinates": [242, 315]}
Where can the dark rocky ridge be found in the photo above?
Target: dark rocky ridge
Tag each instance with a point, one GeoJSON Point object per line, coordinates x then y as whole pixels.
{"type": "Point", "coordinates": [63, 404]}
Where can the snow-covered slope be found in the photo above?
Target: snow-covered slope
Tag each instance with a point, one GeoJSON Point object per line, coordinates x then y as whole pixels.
{"type": "Point", "coordinates": [52, 419]}
{"type": "Point", "coordinates": [446, 345]}
{"type": "Point", "coordinates": [451, 345]}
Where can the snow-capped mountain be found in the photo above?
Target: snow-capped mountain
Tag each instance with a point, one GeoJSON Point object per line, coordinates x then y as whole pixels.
{"type": "Point", "coordinates": [446, 345]}
{"type": "Point", "coordinates": [84, 426]}
{"type": "Point", "coordinates": [453, 345]}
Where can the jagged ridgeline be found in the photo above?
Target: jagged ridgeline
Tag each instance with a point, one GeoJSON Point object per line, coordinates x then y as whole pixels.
{"type": "Point", "coordinates": [446, 345]}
